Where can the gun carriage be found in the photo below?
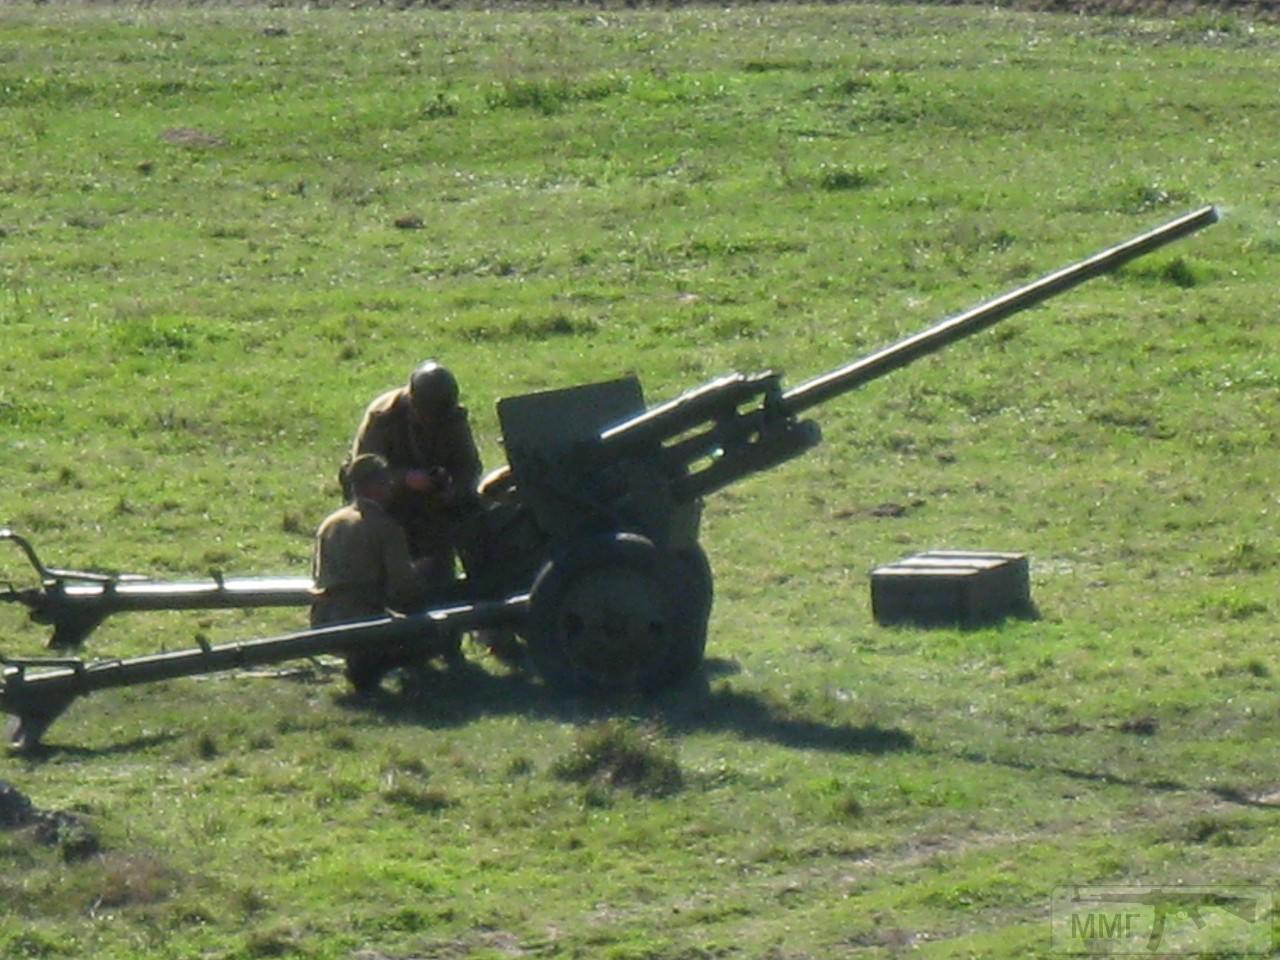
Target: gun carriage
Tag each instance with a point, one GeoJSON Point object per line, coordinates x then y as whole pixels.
{"type": "Point", "coordinates": [585, 544]}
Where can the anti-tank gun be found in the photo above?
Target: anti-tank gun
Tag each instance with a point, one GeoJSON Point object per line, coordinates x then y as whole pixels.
{"type": "Point", "coordinates": [587, 543]}
{"type": "Point", "coordinates": [607, 494]}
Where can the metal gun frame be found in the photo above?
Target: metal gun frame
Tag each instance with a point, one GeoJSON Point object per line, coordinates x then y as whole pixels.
{"type": "Point", "coordinates": [75, 602]}
{"type": "Point", "coordinates": [593, 526]}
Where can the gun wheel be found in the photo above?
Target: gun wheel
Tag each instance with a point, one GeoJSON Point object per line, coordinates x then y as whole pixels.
{"type": "Point", "coordinates": [611, 614]}
{"type": "Point", "coordinates": [696, 597]}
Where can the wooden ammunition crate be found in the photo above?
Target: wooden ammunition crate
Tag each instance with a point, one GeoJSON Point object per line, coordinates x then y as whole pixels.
{"type": "Point", "coordinates": [952, 587]}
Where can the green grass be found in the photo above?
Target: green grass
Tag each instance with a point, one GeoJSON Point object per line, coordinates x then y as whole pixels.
{"type": "Point", "coordinates": [224, 228]}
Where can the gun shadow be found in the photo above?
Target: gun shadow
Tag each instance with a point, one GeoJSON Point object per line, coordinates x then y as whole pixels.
{"type": "Point", "coordinates": [1106, 777]}
{"type": "Point", "coordinates": [459, 696]}
{"type": "Point", "coordinates": [448, 699]}
{"type": "Point", "coordinates": [45, 751]}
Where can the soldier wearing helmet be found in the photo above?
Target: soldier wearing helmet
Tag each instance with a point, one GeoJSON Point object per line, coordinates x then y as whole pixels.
{"type": "Point", "coordinates": [423, 433]}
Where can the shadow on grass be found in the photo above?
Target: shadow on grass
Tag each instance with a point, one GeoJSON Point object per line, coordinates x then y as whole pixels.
{"type": "Point", "coordinates": [49, 751]}
{"type": "Point", "coordinates": [1107, 778]}
{"type": "Point", "coordinates": [461, 695]}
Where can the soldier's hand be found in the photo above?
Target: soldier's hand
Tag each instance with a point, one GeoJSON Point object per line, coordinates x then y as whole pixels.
{"type": "Point", "coordinates": [419, 481]}
{"type": "Point", "coordinates": [441, 482]}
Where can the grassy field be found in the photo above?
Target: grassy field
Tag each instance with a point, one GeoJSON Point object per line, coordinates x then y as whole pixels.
{"type": "Point", "coordinates": [224, 228]}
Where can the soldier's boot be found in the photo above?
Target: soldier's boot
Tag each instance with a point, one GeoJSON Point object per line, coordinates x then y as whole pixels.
{"type": "Point", "coordinates": [451, 648]}
{"type": "Point", "coordinates": [502, 645]}
{"type": "Point", "coordinates": [365, 673]}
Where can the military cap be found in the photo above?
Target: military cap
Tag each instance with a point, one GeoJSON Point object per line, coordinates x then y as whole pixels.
{"type": "Point", "coordinates": [366, 469]}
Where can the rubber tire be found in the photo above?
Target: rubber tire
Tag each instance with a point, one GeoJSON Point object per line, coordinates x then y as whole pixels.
{"type": "Point", "coordinates": [677, 626]}
{"type": "Point", "coordinates": [697, 595]}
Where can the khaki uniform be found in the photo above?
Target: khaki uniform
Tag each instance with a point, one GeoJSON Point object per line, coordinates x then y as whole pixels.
{"type": "Point", "coordinates": [361, 569]}
{"type": "Point", "coordinates": [390, 429]}
{"type": "Point", "coordinates": [362, 566]}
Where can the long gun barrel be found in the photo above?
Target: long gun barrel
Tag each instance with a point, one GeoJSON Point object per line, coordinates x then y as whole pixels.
{"type": "Point", "coordinates": [711, 436]}
{"type": "Point", "coordinates": [853, 375]}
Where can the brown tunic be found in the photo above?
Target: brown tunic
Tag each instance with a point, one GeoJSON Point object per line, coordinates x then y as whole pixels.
{"type": "Point", "coordinates": [361, 566]}
{"type": "Point", "coordinates": [390, 428]}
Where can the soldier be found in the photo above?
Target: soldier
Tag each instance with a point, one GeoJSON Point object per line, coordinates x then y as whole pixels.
{"type": "Point", "coordinates": [423, 433]}
{"type": "Point", "coordinates": [362, 569]}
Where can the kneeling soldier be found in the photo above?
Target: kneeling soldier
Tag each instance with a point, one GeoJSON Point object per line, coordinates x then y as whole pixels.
{"type": "Point", "coordinates": [362, 570]}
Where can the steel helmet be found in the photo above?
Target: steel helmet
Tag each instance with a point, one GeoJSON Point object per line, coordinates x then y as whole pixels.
{"type": "Point", "coordinates": [433, 389]}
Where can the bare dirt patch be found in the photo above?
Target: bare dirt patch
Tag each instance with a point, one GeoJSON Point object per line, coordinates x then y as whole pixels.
{"type": "Point", "coordinates": [191, 137]}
